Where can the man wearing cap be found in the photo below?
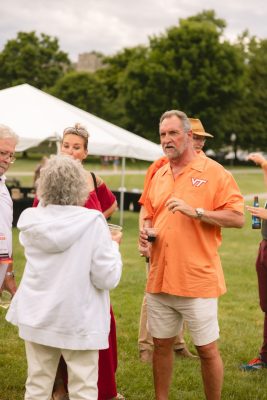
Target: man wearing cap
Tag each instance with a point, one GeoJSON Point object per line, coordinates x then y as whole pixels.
{"type": "Point", "coordinates": [145, 341]}
{"type": "Point", "coordinates": [190, 199]}
{"type": "Point", "coordinates": [8, 141]}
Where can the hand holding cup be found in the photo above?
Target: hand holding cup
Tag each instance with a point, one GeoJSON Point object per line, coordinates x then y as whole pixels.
{"type": "Point", "coordinates": [151, 234]}
{"type": "Point", "coordinates": [116, 232]}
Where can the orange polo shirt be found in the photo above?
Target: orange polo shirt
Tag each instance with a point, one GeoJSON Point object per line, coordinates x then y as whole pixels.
{"type": "Point", "coordinates": [153, 168]}
{"type": "Point", "coordinates": [184, 257]}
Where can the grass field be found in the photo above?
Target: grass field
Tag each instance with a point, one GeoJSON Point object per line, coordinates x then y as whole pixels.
{"type": "Point", "coordinates": [240, 320]}
{"type": "Point", "coordinates": [28, 166]}
{"type": "Point", "coordinates": [249, 179]}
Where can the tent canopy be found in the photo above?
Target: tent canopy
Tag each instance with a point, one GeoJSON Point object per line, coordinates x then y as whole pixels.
{"type": "Point", "coordinates": [37, 116]}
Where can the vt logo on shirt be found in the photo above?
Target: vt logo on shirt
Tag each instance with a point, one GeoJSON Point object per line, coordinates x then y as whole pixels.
{"type": "Point", "coordinates": [198, 182]}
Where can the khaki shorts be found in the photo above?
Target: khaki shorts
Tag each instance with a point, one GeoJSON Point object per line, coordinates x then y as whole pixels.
{"type": "Point", "coordinates": [166, 314]}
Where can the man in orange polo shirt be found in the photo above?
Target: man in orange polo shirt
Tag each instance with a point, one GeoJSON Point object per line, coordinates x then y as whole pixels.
{"type": "Point", "coordinates": [145, 341]}
{"type": "Point", "coordinates": [190, 199]}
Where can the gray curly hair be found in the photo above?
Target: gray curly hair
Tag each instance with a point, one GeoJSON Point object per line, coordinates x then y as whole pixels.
{"type": "Point", "coordinates": [8, 133]}
{"type": "Point", "coordinates": [62, 181]}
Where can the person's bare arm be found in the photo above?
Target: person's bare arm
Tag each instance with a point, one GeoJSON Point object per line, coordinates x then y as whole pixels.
{"type": "Point", "coordinates": [9, 283]}
{"type": "Point", "coordinates": [110, 210]}
{"type": "Point", "coordinates": [257, 211]}
{"type": "Point", "coordinates": [107, 213]}
{"type": "Point", "coordinates": [222, 218]}
{"type": "Point", "coordinates": [258, 159]}
{"type": "Point", "coordinates": [143, 244]}
{"type": "Point", "coordinates": [141, 216]}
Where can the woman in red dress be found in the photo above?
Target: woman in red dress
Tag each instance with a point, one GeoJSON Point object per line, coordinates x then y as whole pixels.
{"type": "Point", "coordinates": [74, 144]}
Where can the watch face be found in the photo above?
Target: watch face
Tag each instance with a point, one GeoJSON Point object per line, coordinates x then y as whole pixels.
{"type": "Point", "coordinates": [199, 212]}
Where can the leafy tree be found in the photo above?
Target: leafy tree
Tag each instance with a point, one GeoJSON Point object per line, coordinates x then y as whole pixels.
{"type": "Point", "coordinates": [205, 74]}
{"type": "Point", "coordinates": [248, 117]}
{"type": "Point", "coordinates": [113, 77]}
{"type": "Point", "coordinates": [209, 17]}
{"type": "Point", "coordinates": [84, 90]}
{"type": "Point", "coordinates": [32, 59]}
{"type": "Point", "coordinates": [190, 67]}
{"type": "Point", "coordinates": [253, 108]}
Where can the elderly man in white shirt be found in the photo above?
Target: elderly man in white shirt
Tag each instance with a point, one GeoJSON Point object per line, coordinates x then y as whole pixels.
{"type": "Point", "coordinates": [8, 141]}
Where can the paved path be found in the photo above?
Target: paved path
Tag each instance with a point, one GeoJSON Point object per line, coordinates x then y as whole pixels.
{"type": "Point", "coordinates": [250, 196]}
{"type": "Point", "coordinates": [245, 171]}
{"type": "Point", "coordinates": [8, 174]}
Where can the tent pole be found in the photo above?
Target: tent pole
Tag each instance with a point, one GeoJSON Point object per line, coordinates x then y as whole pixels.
{"type": "Point", "coordinates": [123, 163]}
{"type": "Point", "coordinates": [58, 143]}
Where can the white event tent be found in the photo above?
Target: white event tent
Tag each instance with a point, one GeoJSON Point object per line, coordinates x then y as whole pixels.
{"type": "Point", "coordinates": [37, 116]}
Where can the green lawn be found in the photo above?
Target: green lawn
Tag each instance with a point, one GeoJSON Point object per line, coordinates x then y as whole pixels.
{"type": "Point", "coordinates": [249, 179]}
{"type": "Point", "coordinates": [23, 170]}
{"type": "Point", "coordinates": [240, 321]}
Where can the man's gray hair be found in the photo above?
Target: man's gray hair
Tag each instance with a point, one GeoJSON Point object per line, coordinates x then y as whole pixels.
{"type": "Point", "coordinates": [8, 133]}
{"type": "Point", "coordinates": [181, 115]}
{"type": "Point", "coordinates": [63, 181]}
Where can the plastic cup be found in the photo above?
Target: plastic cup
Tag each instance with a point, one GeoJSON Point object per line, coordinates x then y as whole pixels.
{"type": "Point", "coordinates": [5, 299]}
{"type": "Point", "coordinates": [152, 234]}
{"type": "Point", "coordinates": [114, 228]}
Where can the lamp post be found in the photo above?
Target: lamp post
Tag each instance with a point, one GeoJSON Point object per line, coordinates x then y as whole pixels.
{"type": "Point", "coordinates": [233, 138]}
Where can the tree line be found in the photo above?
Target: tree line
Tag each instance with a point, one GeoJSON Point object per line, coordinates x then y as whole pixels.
{"type": "Point", "coordinates": [191, 67]}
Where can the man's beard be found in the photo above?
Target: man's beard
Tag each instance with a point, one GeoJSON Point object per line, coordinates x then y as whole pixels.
{"type": "Point", "coordinates": [176, 153]}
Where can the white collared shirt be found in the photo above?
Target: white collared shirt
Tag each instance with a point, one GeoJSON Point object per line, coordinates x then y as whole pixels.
{"type": "Point", "coordinates": [6, 213]}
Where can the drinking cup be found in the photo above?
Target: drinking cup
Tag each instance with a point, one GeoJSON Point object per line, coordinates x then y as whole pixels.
{"type": "Point", "coordinates": [151, 233]}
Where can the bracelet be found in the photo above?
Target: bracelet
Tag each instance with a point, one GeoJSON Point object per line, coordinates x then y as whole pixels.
{"type": "Point", "coordinates": [11, 273]}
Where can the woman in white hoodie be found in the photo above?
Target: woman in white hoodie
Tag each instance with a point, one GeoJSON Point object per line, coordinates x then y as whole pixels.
{"type": "Point", "coordinates": [62, 304]}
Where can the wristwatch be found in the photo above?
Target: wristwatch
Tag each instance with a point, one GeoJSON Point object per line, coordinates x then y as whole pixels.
{"type": "Point", "coordinates": [10, 273]}
{"type": "Point", "coordinates": [199, 212]}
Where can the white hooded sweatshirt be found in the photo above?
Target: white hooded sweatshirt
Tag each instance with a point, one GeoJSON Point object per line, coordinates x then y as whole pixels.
{"type": "Point", "coordinates": [63, 298]}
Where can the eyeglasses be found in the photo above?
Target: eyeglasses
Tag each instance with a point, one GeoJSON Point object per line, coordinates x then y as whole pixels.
{"type": "Point", "coordinates": [5, 155]}
{"type": "Point", "coordinates": [199, 138]}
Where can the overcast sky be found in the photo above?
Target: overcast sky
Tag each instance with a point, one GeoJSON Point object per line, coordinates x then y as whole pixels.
{"type": "Point", "coordinates": [108, 26]}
